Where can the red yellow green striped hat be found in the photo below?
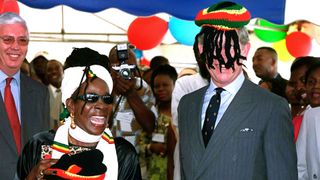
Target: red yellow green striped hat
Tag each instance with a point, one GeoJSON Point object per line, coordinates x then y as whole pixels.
{"type": "Point", "coordinates": [223, 15]}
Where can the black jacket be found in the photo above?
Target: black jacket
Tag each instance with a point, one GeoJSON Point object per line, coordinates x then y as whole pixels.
{"type": "Point", "coordinates": [128, 163]}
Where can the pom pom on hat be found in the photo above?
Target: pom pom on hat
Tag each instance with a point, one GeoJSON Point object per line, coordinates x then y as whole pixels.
{"type": "Point", "coordinates": [224, 15]}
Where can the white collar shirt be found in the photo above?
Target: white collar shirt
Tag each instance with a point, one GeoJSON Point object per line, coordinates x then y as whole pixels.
{"type": "Point", "coordinates": [226, 97]}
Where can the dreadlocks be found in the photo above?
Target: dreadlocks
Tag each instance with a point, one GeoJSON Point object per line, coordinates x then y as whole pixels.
{"type": "Point", "coordinates": [213, 44]}
{"type": "Point", "coordinates": [221, 24]}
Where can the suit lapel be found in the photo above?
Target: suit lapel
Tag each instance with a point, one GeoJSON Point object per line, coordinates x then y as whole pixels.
{"type": "Point", "coordinates": [195, 124]}
{"type": "Point", "coordinates": [238, 110]}
{"type": "Point", "coordinates": [26, 92]}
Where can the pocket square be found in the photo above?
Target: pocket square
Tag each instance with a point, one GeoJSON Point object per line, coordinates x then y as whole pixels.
{"type": "Point", "coordinates": [246, 130]}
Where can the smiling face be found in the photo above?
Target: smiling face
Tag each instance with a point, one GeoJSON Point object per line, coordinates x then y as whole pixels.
{"type": "Point", "coordinates": [54, 73]}
{"type": "Point", "coordinates": [12, 55]}
{"type": "Point", "coordinates": [92, 117]}
{"type": "Point", "coordinates": [295, 89]}
{"type": "Point", "coordinates": [313, 88]}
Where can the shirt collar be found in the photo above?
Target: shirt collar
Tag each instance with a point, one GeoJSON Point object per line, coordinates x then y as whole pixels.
{"type": "Point", "coordinates": [233, 87]}
{"type": "Point", "coordinates": [52, 88]}
{"type": "Point", "coordinates": [16, 76]}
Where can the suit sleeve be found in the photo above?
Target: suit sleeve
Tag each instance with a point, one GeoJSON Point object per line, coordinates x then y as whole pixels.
{"type": "Point", "coordinates": [279, 148]}
{"type": "Point", "coordinates": [177, 93]}
{"type": "Point", "coordinates": [46, 109]}
{"type": "Point", "coordinates": [181, 171]}
{"type": "Point", "coordinates": [301, 146]}
{"type": "Point", "coordinates": [31, 153]}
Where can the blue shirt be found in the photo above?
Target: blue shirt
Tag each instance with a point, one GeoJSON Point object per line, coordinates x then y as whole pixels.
{"type": "Point", "coordinates": [15, 89]}
{"type": "Point", "coordinates": [226, 97]}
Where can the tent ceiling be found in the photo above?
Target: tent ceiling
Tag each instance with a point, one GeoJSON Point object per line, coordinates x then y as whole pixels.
{"type": "Point", "coordinates": [65, 24]}
{"type": "Point", "coordinates": [183, 9]}
{"type": "Point", "coordinates": [62, 23]}
{"type": "Point", "coordinates": [110, 24]}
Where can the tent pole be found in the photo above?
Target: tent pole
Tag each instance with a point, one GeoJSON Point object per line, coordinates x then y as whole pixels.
{"type": "Point", "coordinates": [62, 23]}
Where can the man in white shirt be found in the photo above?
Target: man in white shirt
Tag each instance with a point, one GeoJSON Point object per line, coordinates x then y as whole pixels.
{"type": "Point", "coordinates": [183, 86]}
{"type": "Point", "coordinates": [54, 73]}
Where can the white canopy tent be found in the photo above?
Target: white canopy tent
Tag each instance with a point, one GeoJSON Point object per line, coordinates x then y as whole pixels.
{"type": "Point", "coordinates": [59, 29]}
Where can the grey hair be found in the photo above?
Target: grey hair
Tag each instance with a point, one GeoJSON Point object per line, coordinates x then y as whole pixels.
{"type": "Point", "coordinates": [243, 36]}
{"type": "Point", "coordinates": [12, 18]}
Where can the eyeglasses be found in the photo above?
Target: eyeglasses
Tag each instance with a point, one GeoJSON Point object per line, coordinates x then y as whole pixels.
{"type": "Point", "coordinates": [9, 40]}
{"type": "Point", "coordinates": [92, 98]}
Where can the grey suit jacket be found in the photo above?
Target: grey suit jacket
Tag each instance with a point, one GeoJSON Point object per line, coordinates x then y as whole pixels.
{"type": "Point", "coordinates": [253, 140]}
{"type": "Point", "coordinates": [34, 118]}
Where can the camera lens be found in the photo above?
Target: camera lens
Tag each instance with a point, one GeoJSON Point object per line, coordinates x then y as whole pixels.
{"type": "Point", "coordinates": [125, 73]}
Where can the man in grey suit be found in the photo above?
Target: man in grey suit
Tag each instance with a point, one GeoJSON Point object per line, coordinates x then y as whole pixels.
{"type": "Point", "coordinates": [252, 134]}
{"type": "Point", "coordinates": [30, 102]}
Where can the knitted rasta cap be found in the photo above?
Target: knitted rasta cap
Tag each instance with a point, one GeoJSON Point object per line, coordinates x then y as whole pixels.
{"type": "Point", "coordinates": [85, 165]}
{"type": "Point", "coordinates": [224, 15]}
{"type": "Point", "coordinates": [220, 26]}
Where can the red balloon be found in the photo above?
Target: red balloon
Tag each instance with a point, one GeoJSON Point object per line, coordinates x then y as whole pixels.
{"type": "Point", "coordinates": [10, 6]}
{"type": "Point", "coordinates": [145, 62]}
{"type": "Point", "coordinates": [298, 44]}
{"type": "Point", "coordinates": [147, 32]}
{"type": "Point", "coordinates": [1, 6]}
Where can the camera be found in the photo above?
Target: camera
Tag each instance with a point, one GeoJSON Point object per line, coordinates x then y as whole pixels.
{"type": "Point", "coordinates": [122, 52]}
{"type": "Point", "coordinates": [125, 70]}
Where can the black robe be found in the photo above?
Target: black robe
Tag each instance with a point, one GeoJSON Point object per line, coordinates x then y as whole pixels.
{"type": "Point", "coordinates": [128, 160]}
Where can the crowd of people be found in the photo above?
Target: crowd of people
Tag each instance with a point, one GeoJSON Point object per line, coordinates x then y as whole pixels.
{"type": "Point", "coordinates": [101, 116]}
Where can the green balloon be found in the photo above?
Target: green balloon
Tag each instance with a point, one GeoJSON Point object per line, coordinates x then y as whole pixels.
{"type": "Point", "coordinates": [269, 32]}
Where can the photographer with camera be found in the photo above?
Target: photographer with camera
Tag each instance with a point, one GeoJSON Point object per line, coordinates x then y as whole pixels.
{"type": "Point", "coordinates": [135, 104]}
{"type": "Point", "coordinates": [134, 109]}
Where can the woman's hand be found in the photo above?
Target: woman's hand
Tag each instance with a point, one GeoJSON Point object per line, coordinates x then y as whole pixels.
{"type": "Point", "coordinates": [40, 169]}
{"type": "Point", "coordinates": [158, 148]}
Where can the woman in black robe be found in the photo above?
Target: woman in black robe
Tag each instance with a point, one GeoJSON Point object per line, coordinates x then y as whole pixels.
{"type": "Point", "coordinates": [83, 147]}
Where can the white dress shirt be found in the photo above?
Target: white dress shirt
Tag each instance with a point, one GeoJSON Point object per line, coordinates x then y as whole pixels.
{"type": "Point", "coordinates": [308, 145]}
{"type": "Point", "coordinates": [226, 97]}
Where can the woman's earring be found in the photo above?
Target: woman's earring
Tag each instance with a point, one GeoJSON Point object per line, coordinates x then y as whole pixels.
{"type": "Point", "coordinates": [73, 124]}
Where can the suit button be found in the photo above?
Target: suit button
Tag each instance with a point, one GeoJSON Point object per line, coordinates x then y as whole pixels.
{"type": "Point", "coordinates": [315, 176]}
{"type": "Point", "coordinates": [234, 157]}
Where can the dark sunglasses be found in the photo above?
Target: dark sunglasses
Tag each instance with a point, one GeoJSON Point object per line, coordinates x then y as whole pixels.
{"type": "Point", "coordinates": [92, 98]}
{"type": "Point", "coordinates": [9, 40]}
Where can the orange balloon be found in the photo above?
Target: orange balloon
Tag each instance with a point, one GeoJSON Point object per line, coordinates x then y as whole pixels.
{"type": "Point", "coordinates": [282, 51]}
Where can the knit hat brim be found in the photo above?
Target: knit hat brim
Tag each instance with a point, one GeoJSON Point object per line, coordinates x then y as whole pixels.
{"type": "Point", "coordinates": [224, 15]}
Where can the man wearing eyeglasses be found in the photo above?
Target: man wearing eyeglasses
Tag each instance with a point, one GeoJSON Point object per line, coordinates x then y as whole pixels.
{"type": "Point", "coordinates": [24, 104]}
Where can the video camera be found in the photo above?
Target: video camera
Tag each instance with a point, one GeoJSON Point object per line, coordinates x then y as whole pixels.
{"type": "Point", "coordinates": [125, 70]}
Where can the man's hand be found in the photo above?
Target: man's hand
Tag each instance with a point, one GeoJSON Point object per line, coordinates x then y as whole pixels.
{"type": "Point", "coordinates": [142, 113]}
{"type": "Point", "coordinates": [123, 86]}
